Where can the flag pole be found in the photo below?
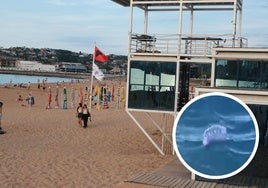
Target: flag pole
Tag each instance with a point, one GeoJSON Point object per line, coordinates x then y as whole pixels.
{"type": "Point", "coordinates": [92, 79]}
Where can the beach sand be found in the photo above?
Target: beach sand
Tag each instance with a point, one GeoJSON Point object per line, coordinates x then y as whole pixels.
{"type": "Point", "coordinates": [47, 148]}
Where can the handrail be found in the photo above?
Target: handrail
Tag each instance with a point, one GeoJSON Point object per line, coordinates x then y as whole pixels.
{"type": "Point", "coordinates": [190, 44]}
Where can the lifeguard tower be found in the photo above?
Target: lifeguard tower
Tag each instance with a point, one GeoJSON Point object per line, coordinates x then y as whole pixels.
{"type": "Point", "coordinates": [159, 64]}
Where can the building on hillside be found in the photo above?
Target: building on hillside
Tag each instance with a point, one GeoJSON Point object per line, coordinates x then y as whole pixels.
{"type": "Point", "coordinates": [72, 67]}
{"type": "Point", "coordinates": [115, 70]}
{"type": "Point", "coordinates": [34, 66]}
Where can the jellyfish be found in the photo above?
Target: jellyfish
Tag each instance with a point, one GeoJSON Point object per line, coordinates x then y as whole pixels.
{"type": "Point", "coordinates": [215, 133]}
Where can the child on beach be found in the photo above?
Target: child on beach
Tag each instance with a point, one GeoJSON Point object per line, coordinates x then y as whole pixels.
{"type": "Point", "coordinates": [19, 99]}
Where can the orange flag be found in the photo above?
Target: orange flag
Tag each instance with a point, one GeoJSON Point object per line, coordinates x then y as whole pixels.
{"type": "Point", "coordinates": [99, 56]}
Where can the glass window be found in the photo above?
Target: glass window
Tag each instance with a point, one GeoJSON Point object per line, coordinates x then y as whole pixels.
{"type": "Point", "coordinates": [152, 73]}
{"type": "Point", "coordinates": [137, 73]}
{"type": "Point", "coordinates": [241, 74]}
{"type": "Point", "coordinates": [168, 75]}
{"type": "Point", "coordinates": [151, 85]}
{"type": "Point", "coordinates": [226, 73]}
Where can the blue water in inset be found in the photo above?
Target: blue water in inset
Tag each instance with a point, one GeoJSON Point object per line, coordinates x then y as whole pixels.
{"type": "Point", "coordinates": [222, 157]}
{"type": "Point", "coordinates": [16, 78]}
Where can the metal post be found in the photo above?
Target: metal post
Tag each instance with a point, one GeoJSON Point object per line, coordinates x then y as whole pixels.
{"type": "Point", "coordinates": [146, 20]}
{"type": "Point", "coordinates": [234, 22]}
{"type": "Point", "coordinates": [191, 30]}
{"type": "Point", "coordinates": [240, 26]}
{"type": "Point", "coordinates": [144, 132]}
{"type": "Point", "coordinates": [178, 59]}
{"type": "Point", "coordinates": [177, 85]}
{"type": "Point", "coordinates": [130, 27]}
{"type": "Point", "coordinates": [129, 51]}
{"type": "Point", "coordinates": [180, 28]}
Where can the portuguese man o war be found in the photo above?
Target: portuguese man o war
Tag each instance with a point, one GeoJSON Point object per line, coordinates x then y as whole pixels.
{"type": "Point", "coordinates": [215, 133]}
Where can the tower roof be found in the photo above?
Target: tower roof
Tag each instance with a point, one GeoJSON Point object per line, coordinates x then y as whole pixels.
{"type": "Point", "coordinates": [187, 4]}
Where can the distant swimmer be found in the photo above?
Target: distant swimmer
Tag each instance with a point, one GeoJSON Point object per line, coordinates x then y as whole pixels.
{"type": "Point", "coordinates": [215, 133]}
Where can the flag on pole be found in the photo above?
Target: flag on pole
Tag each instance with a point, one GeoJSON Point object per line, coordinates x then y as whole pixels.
{"type": "Point", "coordinates": [97, 72]}
{"type": "Point", "coordinates": [99, 55]}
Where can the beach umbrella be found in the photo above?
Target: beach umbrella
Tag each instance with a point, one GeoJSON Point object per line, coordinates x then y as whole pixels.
{"type": "Point", "coordinates": [88, 97]}
{"type": "Point", "coordinates": [98, 91]}
{"type": "Point", "coordinates": [113, 93]}
{"type": "Point", "coordinates": [57, 97]}
{"type": "Point", "coordinates": [109, 95]}
{"type": "Point", "coordinates": [122, 96]}
{"type": "Point", "coordinates": [49, 98]}
{"type": "Point", "coordinates": [101, 93]}
{"type": "Point", "coordinates": [117, 98]}
{"type": "Point", "coordinates": [81, 98]}
{"type": "Point", "coordinates": [93, 96]}
{"type": "Point", "coordinates": [72, 97]}
{"type": "Point", "coordinates": [64, 98]}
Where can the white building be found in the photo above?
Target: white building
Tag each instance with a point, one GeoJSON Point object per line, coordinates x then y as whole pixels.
{"type": "Point", "coordinates": [34, 66]}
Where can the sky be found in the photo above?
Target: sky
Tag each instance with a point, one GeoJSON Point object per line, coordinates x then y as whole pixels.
{"type": "Point", "coordinates": [77, 25]}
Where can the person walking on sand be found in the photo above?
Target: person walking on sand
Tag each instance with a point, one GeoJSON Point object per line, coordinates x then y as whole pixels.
{"type": "Point", "coordinates": [86, 114]}
{"type": "Point", "coordinates": [79, 113]}
{"type": "Point", "coordinates": [1, 107]}
{"type": "Point", "coordinates": [30, 100]}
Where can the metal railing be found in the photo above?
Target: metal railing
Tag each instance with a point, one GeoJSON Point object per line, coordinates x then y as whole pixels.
{"type": "Point", "coordinates": [186, 44]}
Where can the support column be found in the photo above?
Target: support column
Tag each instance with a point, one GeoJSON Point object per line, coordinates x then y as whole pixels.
{"type": "Point", "coordinates": [234, 22]}
{"type": "Point", "coordinates": [146, 20]}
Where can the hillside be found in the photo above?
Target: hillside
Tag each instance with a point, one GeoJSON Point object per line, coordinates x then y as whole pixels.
{"type": "Point", "coordinates": [8, 57]}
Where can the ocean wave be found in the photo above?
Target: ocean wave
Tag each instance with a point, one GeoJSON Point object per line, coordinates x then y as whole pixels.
{"type": "Point", "coordinates": [240, 152]}
{"type": "Point", "coordinates": [239, 137]}
{"type": "Point", "coordinates": [234, 118]}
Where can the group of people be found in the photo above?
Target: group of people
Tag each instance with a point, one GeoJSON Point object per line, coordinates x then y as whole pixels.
{"type": "Point", "coordinates": [83, 114]}
{"type": "Point", "coordinates": [29, 100]}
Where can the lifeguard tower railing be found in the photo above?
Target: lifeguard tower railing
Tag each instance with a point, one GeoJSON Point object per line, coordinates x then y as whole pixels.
{"type": "Point", "coordinates": [191, 45]}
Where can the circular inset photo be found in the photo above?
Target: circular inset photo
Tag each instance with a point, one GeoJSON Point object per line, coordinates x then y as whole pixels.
{"type": "Point", "coordinates": [215, 135]}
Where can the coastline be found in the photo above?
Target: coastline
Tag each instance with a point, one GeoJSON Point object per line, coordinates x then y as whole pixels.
{"type": "Point", "coordinates": [53, 74]}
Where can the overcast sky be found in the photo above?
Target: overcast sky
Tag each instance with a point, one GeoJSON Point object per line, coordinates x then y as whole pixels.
{"type": "Point", "coordinates": [77, 24]}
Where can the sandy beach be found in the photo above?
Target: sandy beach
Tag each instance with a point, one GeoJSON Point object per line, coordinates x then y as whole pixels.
{"type": "Point", "coordinates": [47, 148]}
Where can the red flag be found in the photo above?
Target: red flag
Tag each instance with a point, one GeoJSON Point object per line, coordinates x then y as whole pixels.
{"type": "Point", "coordinates": [99, 56]}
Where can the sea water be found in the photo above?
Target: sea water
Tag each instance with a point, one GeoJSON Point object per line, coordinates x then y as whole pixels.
{"type": "Point", "coordinates": [225, 156]}
{"type": "Point", "coordinates": [17, 79]}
